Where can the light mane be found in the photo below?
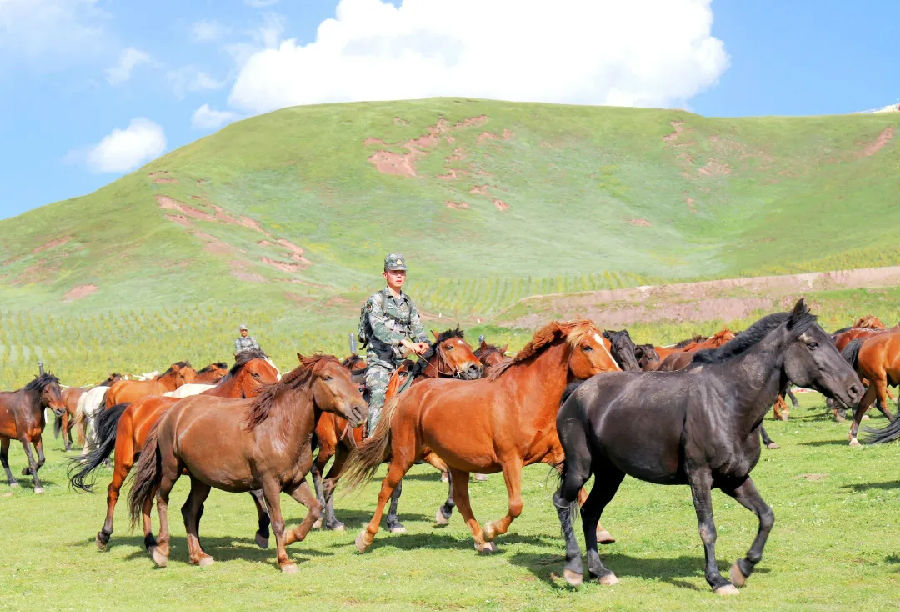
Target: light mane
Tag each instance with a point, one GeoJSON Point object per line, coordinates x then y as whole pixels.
{"type": "Point", "coordinates": [572, 331]}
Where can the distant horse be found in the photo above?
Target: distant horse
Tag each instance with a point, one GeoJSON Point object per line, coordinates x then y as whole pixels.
{"type": "Point", "coordinates": [22, 418]}
{"type": "Point", "coordinates": [490, 355]}
{"type": "Point", "coordinates": [124, 428]}
{"type": "Point", "coordinates": [500, 423]}
{"type": "Point", "coordinates": [877, 360]}
{"type": "Point", "coordinates": [126, 391]}
{"type": "Point", "coordinates": [240, 445]}
{"type": "Point", "coordinates": [448, 356]}
{"type": "Point", "coordinates": [622, 349]}
{"type": "Point", "coordinates": [682, 357]}
{"type": "Point", "coordinates": [647, 357]}
{"type": "Point", "coordinates": [212, 373]}
{"type": "Point", "coordinates": [869, 321]}
{"type": "Point", "coordinates": [696, 426]}
{"type": "Point", "coordinates": [69, 420]}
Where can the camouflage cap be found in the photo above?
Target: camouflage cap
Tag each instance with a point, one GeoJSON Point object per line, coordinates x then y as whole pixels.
{"type": "Point", "coordinates": [394, 261]}
{"type": "Point", "coordinates": [243, 326]}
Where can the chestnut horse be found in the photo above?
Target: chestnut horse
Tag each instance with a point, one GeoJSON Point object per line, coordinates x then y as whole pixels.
{"type": "Point", "coordinates": [448, 356]}
{"type": "Point", "coordinates": [126, 391]}
{"type": "Point", "coordinates": [66, 423]}
{"type": "Point", "coordinates": [499, 423]}
{"type": "Point", "coordinates": [695, 427]}
{"type": "Point", "coordinates": [490, 355]}
{"type": "Point", "coordinates": [212, 373]}
{"type": "Point", "coordinates": [241, 445]}
{"type": "Point", "coordinates": [124, 428]}
{"type": "Point", "coordinates": [22, 418]}
{"type": "Point", "coordinates": [877, 360]}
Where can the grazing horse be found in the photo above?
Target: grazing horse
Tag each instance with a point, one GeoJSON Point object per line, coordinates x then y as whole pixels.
{"type": "Point", "coordinates": [494, 424]}
{"type": "Point", "coordinates": [124, 428]}
{"type": "Point", "coordinates": [448, 356]}
{"type": "Point", "coordinates": [696, 426]}
{"type": "Point", "coordinates": [126, 391]}
{"type": "Point", "coordinates": [877, 360]}
{"type": "Point", "coordinates": [240, 445]}
{"type": "Point", "coordinates": [212, 373]}
{"type": "Point", "coordinates": [22, 418]}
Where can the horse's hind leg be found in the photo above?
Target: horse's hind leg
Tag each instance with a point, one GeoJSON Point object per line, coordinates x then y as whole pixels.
{"type": "Point", "coordinates": [66, 432]}
{"type": "Point", "coordinates": [328, 486]}
{"type": "Point", "coordinates": [32, 466]}
{"type": "Point", "coordinates": [393, 521]}
{"type": "Point", "coordinates": [460, 482]}
{"type": "Point", "coordinates": [747, 495]}
{"type": "Point", "coordinates": [443, 514]}
{"type": "Point", "coordinates": [861, 408]}
{"type": "Point", "coordinates": [123, 460]}
{"type": "Point", "coordinates": [606, 482]}
{"type": "Point", "coordinates": [262, 518]}
{"type": "Point", "coordinates": [171, 470]}
{"type": "Point", "coordinates": [512, 474]}
{"type": "Point", "coordinates": [4, 459]}
{"type": "Point", "coordinates": [191, 511]}
{"type": "Point", "coordinates": [305, 496]}
{"type": "Point", "coordinates": [882, 390]}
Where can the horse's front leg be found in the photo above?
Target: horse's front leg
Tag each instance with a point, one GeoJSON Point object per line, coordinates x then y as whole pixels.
{"type": "Point", "coordinates": [262, 518]}
{"type": "Point", "coordinates": [4, 459]}
{"type": "Point", "coordinates": [747, 495]}
{"type": "Point", "coordinates": [861, 408]}
{"type": "Point", "coordinates": [32, 466]}
{"type": "Point", "coordinates": [305, 496]}
{"type": "Point", "coordinates": [512, 475]}
{"type": "Point", "coordinates": [701, 485]}
{"type": "Point", "coordinates": [396, 471]}
{"type": "Point", "coordinates": [272, 494]}
{"type": "Point", "coordinates": [460, 482]}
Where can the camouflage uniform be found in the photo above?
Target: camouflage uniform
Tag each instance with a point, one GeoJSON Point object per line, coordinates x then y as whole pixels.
{"type": "Point", "coordinates": [391, 320]}
{"type": "Point", "coordinates": [243, 344]}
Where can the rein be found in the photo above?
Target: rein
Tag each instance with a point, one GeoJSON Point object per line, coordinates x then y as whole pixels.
{"type": "Point", "coordinates": [448, 372]}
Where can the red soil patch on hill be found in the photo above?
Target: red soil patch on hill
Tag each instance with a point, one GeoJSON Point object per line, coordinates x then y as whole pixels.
{"type": "Point", "coordinates": [78, 292]}
{"type": "Point", "coordinates": [479, 189]}
{"type": "Point", "coordinates": [639, 222]}
{"type": "Point", "coordinates": [53, 243]}
{"type": "Point", "coordinates": [284, 266]}
{"type": "Point", "coordinates": [456, 205]}
{"type": "Point", "coordinates": [296, 252]}
{"type": "Point", "coordinates": [876, 145]}
{"type": "Point", "coordinates": [501, 205]}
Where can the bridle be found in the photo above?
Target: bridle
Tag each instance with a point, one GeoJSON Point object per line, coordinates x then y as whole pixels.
{"type": "Point", "coordinates": [447, 371]}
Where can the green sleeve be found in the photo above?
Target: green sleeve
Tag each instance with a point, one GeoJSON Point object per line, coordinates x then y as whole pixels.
{"type": "Point", "coordinates": [416, 330]}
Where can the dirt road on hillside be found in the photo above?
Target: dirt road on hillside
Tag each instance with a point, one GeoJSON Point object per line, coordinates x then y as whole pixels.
{"type": "Point", "coordinates": [725, 299]}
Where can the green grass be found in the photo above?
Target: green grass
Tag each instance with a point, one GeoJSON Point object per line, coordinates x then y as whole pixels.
{"type": "Point", "coordinates": [835, 544]}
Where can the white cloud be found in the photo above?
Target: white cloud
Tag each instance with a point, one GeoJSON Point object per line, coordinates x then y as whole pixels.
{"type": "Point", "coordinates": [128, 59]}
{"type": "Point", "coordinates": [207, 31]}
{"type": "Point", "coordinates": [206, 118]}
{"type": "Point", "coordinates": [124, 150]}
{"type": "Point", "coordinates": [191, 79]}
{"type": "Point", "coordinates": [639, 53]}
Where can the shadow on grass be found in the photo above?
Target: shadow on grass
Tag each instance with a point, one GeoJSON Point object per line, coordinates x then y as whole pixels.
{"type": "Point", "coordinates": [864, 486]}
{"type": "Point", "coordinates": [437, 539]}
{"type": "Point", "coordinates": [675, 570]}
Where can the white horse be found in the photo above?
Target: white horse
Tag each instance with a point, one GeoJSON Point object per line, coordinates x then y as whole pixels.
{"type": "Point", "coordinates": [90, 404]}
{"type": "Point", "coordinates": [188, 389]}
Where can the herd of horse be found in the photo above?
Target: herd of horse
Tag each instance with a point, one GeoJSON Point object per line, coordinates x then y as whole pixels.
{"type": "Point", "coordinates": [587, 401]}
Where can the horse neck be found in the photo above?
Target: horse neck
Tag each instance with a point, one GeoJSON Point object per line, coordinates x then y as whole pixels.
{"type": "Point", "coordinates": [32, 400]}
{"type": "Point", "coordinates": [168, 381]}
{"type": "Point", "coordinates": [227, 387]}
{"type": "Point", "coordinates": [291, 417]}
{"type": "Point", "coordinates": [539, 383]}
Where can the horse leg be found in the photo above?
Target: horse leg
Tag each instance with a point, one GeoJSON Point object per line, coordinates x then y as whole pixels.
{"type": "Point", "coordinates": [396, 470]}
{"type": "Point", "coordinates": [393, 521]}
{"type": "Point", "coordinates": [32, 466]}
{"type": "Point", "coordinates": [317, 485]}
{"type": "Point", "coordinates": [272, 493]}
{"type": "Point", "coordinates": [305, 496]}
{"type": "Point", "coordinates": [747, 495]}
{"type": "Point", "coordinates": [512, 474]}
{"type": "Point", "coordinates": [606, 482]}
{"type": "Point", "coordinates": [66, 434]}
{"type": "Point", "coordinates": [262, 518]}
{"type": "Point", "coordinates": [769, 442]}
{"type": "Point", "coordinates": [120, 473]}
{"type": "Point", "coordinates": [861, 408]}
{"type": "Point", "coordinates": [191, 511]}
{"type": "Point", "coordinates": [603, 535]}
{"type": "Point", "coordinates": [159, 551]}
{"type": "Point", "coordinates": [443, 514]}
{"type": "Point", "coordinates": [328, 486]}
{"type": "Point", "coordinates": [701, 487]}
{"type": "Point", "coordinates": [882, 390]}
{"type": "Point", "coordinates": [793, 397]}
{"type": "Point", "coordinates": [4, 459]}
{"type": "Point", "coordinates": [460, 482]}
{"type": "Point", "coordinates": [38, 443]}
{"type": "Point", "coordinates": [573, 474]}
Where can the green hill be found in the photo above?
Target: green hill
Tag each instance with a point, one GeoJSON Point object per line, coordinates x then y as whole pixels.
{"type": "Point", "coordinates": [284, 218]}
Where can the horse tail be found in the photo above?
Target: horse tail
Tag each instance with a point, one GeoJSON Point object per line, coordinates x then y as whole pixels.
{"type": "Point", "coordinates": [365, 459]}
{"type": "Point", "coordinates": [106, 426]}
{"type": "Point", "coordinates": [148, 474]}
{"type": "Point", "coordinates": [886, 434]}
{"type": "Point", "coordinates": [851, 352]}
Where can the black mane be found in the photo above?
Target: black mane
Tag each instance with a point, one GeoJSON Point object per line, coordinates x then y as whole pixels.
{"type": "Point", "coordinates": [447, 334]}
{"type": "Point", "coordinates": [219, 365]}
{"type": "Point", "coordinates": [243, 357]}
{"type": "Point", "coordinates": [41, 381]}
{"type": "Point", "coordinates": [746, 339]}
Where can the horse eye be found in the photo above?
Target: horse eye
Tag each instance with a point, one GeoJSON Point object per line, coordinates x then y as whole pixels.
{"type": "Point", "coordinates": [449, 347]}
{"type": "Point", "coordinates": [255, 375]}
{"type": "Point", "coordinates": [326, 378]}
{"type": "Point", "coordinates": [587, 349]}
{"type": "Point", "coordinates": [812, 345]}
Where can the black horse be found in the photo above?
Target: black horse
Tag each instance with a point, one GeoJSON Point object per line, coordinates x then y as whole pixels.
{"type": "Point", "coordinates": [22, 418]}
{"type": "Point", "coordinates": [622, 349]}
{"type": "Point", "coordinates": [697, 426]}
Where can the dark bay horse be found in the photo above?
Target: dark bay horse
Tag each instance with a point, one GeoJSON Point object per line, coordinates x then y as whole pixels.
{"type": "Point", "coordinates": [124, 429]}
{"type": "Point", "coordinates": [647, 357]}
{"type": "Point", "coordinates": [696, 426]}
{"type": "Point", "coordinates": [241, 445]}
{"type": "Point", "coordinates": [877, 361]}
{"type": "Point", "coordinates": [449, 356]}
{"type": "Point", "coordinates": [126, 391]}
{"type": "Point", "coordinates": [494, 424]}
{"type": "Point", "coordinates": [22, 418]}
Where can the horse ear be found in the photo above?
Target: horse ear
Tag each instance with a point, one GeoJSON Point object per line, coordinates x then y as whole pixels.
{"type": "Point", "coordinates": [300, 357]}
{"type": "Point", "coordinates": [606, 334]}
{"type": "Point", "coordinates": [505, 346]}
{"type": "Point", "coordinates": [435, 334]}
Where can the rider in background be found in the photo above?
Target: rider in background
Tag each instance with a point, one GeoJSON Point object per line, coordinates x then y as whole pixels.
{"type": "Point", "coordinates": [244, 342]}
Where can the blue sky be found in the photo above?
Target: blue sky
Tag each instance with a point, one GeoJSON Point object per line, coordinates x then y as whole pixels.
{"type": "Point", "coordinates": [92, 89]}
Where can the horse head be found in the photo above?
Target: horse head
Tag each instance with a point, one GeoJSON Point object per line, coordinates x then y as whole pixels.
{"type": "Point", "coordinates": [334, 391]}
{"type": "Point", "coordinates": [50, 392]}
{"type": "Point", "coordinates": [450, 355]}
{"type": "Point", "coordinates": [490, 355]}
{"type": "Point", "coordinates": [589, 354]}
{"type": "Point", "coordinates": [251, 371]}
{"type": "Point", "coordinates": [647, 357]}
{"type": "Point", "coordinates": [622, 348]}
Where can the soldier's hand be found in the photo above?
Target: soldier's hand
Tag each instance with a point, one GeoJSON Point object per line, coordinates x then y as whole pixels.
{"type": "Point", "coordinates": [421, 347]}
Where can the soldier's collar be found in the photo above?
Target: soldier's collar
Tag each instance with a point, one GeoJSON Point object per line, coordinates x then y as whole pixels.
{"type": "Point", "coordinates": [388, 293]}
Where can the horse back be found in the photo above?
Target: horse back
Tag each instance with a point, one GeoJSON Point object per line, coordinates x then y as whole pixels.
{"type": "Point", "coordinates": [881, 353]}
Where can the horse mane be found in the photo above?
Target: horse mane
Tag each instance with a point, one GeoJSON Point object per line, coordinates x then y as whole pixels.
{"type": "Point", "coordinates": [684, 343]}
{"type": "Point", "coordinates": [748, 338]}
{"type": "Point", "coordinates": [486, 349]}
{"type": "Point", "coordinates": [299, 377]}
{"type": "Point", "coordinates": [447, 334]}
{"type": "Point", "coordinates": [243, 358]}
{"type": "Point", "coordinates": [180, 364]}
{"type": "Point", "coordinates": [869, 321]}
{"type": "Point", "coordinates": [573, 331]}
{"type": "Point", "coordinates": [40, 382]}
{"type": "Point", "coordinates": [218, 365]}
{"type": "Point", "coordinates": [418, 367]}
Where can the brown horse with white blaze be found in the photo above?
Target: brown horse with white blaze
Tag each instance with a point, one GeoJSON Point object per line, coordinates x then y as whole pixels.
{"type": "Point", "coordinates": [500, 423]}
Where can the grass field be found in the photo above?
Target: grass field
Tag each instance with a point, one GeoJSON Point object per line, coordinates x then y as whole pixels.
{"type": "Point", "coordinates": [835, 545]}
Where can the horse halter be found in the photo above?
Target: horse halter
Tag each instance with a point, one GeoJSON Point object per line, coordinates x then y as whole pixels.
{"type": "Point", "coordinates": [447, 371]}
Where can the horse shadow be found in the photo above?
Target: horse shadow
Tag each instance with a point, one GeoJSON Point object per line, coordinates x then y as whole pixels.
{"type": "Point", "coordinates": [437, 539]}
{"type": "Point", "coordinates": [672, 570]}
{"type": "Point", "coordinates": [222, 549]}
{"type": "Point", "coordinates": [865, 486]}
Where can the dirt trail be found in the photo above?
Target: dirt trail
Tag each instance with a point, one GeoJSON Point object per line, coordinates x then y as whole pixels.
{"type": "Point", "coordinates": [725, 299]}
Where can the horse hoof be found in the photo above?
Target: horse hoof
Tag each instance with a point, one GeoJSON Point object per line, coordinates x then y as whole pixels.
{"type": "Point", "coordinates": [445, 478]}
{"type": "Point", "coordinates": [159, 559]}
{"type": "Point", "coordinates": [101, 543]}
{"type": "Point", "coordinates": [604, 537]}
{"type": "Point", "coordinates": [205, 560]}
{"type": "Point", "coordinates": [336, 527]}
{"type": "Point", "coordinates": [399, 529]}
{"type": "Point", "coordinates": [439, 518]}
{"type": "Point", "coordinates": [14, 484]}
{"type": "Point", "coordinates": [728, 589]}
{"type": "Point", "coordinates": [773, 445]}
{"type": "Point", "coordinates": [261, 541]}
{"type": "Point", "coordinates": [608, 579]}
{"type": "Point", "coordinates": [854, 442]}
{"type": "Point", "coordinates": [488, 548]}
{"type": "Point", "coordinates": [573, 578]}
{"type": "Point", "coordinates": [317, 524]}
{"type": "Point", "coordinates": [737, 576]}
{"type": "Point", "coordinates": [363, 541]}
{"type": "Point", "coordinates": [39, 489]}
{"type": "Point", "coordinates": [289, 568]}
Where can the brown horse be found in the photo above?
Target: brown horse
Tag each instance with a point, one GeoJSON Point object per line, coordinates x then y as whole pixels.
{"type": "Point", "coordinates": [212, 373]}
{"type": "Point", "coordinates": [449, 356]}
{"type": "Point", "coordinates": [126, 391]}
{"type": "Point", "coordinates": [500, 423]}
{"type": "Point", "coordinates": [490, 355]}
{"type": "Point", "coordinates": [869, 321]}
{"type": "Point", "coordinates": [66, 423]}
{"type": "Point", "coordinates": [684, 355]}
{"type": "Point", "coordinates": [647, 357]}
{"type": "Point", "coordinates": [124, 428]}
{"type": "Point", "coordinates": [22, 418]}
{"type": "Point", "coordinates": [877, 360]}
{"type": "Point", "coordinates": [240, 445]}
